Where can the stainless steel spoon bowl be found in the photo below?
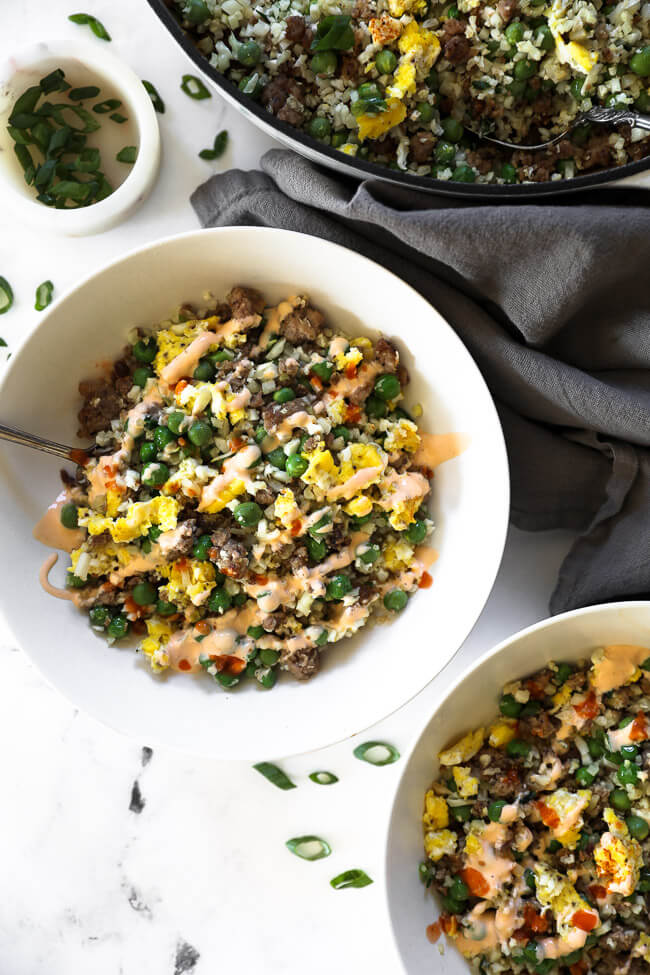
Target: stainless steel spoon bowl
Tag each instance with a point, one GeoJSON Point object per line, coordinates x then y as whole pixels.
{"type": "Point", "coordinates": [598, 115]}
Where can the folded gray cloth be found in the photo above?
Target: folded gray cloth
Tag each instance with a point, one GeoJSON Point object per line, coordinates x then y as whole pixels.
{"type": "Point", "coordinates": [553, 302]}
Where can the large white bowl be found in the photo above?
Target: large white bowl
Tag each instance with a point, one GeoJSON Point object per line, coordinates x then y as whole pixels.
{"type": "Point", "coordinates": [473, 701]}
{"type": "Point", "coordinates": [363, 679]}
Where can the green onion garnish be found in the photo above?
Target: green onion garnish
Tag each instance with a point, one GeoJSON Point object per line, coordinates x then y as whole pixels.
{"type": "Point", "coordinates": [54, 81]}
{"type": "Point", "coordinates": [6, 296]}
{"type": "Point", "coordinates": [275, 775]}
{"type": "Point", "coordinates": [118, 117]}
{"type": "Point", "coordinates": [96, 26]}
{"type": "Point", "coordinates": [79, 94]}
{"type": "Point", "coordinates": [376, 753]}
{"type": "Point", "coordinates": [127, 155]}
{"type": "Point", "coordinates": [158, 103]}
{"type": "Point", "coordinates": [350, 878]}
{"type": "Point", "coordinates": [309, 847]}
{"type": "Point", "coordinates": [43, 295]}
{"type": "Point", "coordinates": [108, 105]}
{"type": "Point", "coordinates": [323, 778]}
{"type": "Point", "coordinates": [219, 147]}
{"type": "Point", "coordinates": [3, 344]}
{"type": "Point", "coordinates": [194, 87]}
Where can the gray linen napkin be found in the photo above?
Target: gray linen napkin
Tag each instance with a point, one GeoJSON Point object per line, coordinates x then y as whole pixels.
{"type": "Point", "coordinates": [553, 302]}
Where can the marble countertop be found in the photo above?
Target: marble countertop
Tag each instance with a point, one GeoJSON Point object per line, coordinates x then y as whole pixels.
{"type": "Point", "coordinates": [118, 860]}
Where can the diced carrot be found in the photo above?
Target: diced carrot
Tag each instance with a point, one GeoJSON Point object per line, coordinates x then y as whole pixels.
{"type": "Point", "coordinates": [598, 892]}
{"type": "Point", "coordinates": [588, 708]}
{"type": "Point", "coordinates": [180, 386]}
{"type": "Point", "coordinates": [295, 527]}
{"type": "Point", "coordinates": [235, 443]}
{"type": "Point", "coordinates": [549, 817]}
{"type": "Point", "coordinates": [228, 663]}
{"type": "Point", "coordinates": [449, 923]}
{"type": "Point", "coordinates": [259, 580]}
{"type": "Point", "coordinates": [434, 931]}
{"type": "Point", "coordinates": [425, 581]}
{"type": "Point", "coordinates": [521, 934]}
{"type": "Point", "coordinates": [585, 920]}
{"type": "Point", "coordinates": [352, 414]}
{"type": "Point", "coordinates": [184, 665]}
{"type": "Point", "coordinates": [534, 688]}
{"type": "Point", "coordinates": [476, 882]}
{"type": "Point", "coordinates": [579, 967]}
{"type": "Point", "coordinates": [534, 921]}
{"type": "Point", "coordinates": [202, 628]}
{"type": "Point", "coordinates": [350, 370]}
{"type": "Point", "coordinates": [316, 382]}
{"type": "Point", "coordinates": [639, 729]}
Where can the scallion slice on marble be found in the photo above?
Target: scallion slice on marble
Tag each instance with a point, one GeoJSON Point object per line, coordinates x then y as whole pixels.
{"type": "Point", "coordinates": [309, 847]}
{"type": "Point", "coordinates": [43, 295]}
{"type": "Point", "coordinates": [324, 778]}
{"type": "Point", "coordinates": [96, 26]}
{"type": "Point", "coordinates": [158, 103]}
{"type": "Point", "coordinates": [218, 148]}
{"type": "Point", "coordinates": [350, 878]}
{"type": "Point", "coordinates": [6, 296]}
{"type": "Point", "coordinates": [275, 775]}
{"type": "Point", "coordinates": [128, 154]}
{"type": "Point", "coordinates": [194, 87]}
{"type": "Point", "coordinates": [376, 753]}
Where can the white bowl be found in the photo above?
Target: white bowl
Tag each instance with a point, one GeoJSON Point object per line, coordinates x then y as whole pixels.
{"type": "Point", "coordinates": [363, 679]}
{"type": "Point", "coordinates": [21, 71]}
{"type": "Point", "coordinates": [473, 701]}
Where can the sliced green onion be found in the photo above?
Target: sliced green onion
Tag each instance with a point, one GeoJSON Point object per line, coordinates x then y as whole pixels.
{"type": "Point", "coordinates": [68, 189]}
{"type": "Point", "coordinates": [350, 878]}
{"type": "Point", "coordinates": [26, 161]}
{"type": "Point", "coordinates": [194, 87]}
{"type": "Point", "coordinates": [158, 103]}
{"type": "Point", "coordinates": [219, 147]}
{"type": "Point", "coordinates": [54, 81]}
{"type": "Point", "coordinates": [26, 104]}
{"type": "Point", "coordinates": [275, 775]}
{"type": "Point", "coordinates": [128, 154]}
{"type": "Point", "coordinates": [96, 26]}
{"type": "Point", "coordinates": [3, 344]}
{"type": "Point", "coordinates": [43, 295]}
{"type": "Point", "coordinates": [118, 117]}
{"type": "Point", "coordinates": [108, 105]}
{"type": "Point", "coordinates": [6, 296]}
{"type": "Point", "coordinates": [323, 778]}
{"type": "Point", "coordinates": [376, 753]}
{"type": "Point", "coordinates": [80, 94]}
{"type": "Point", "coordinates": [309, 847]}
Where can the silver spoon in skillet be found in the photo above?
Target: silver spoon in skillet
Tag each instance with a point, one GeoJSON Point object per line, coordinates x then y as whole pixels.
{"type": "Point", "coordinates": [598, 114]}
{"type": "Point", "coordinates": [79, 455]}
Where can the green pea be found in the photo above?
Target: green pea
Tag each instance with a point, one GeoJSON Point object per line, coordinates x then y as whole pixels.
{"type": "Point", "coordinates": [118, 627]}
{"type": "Point", "coordinates": [452, 906]}
{"type": "Point", "coordinates": [163, 608]}
{"type": "Point", "coordinates": [195, 11]}
{"type": "Point", "coordinates": [268, 679]}
{"type": "Point", "coordinates": [627, 774]}
{"type": "Point", "coordinates": [643, 885]}
{"type": "Point", "coordinates": [323, 370]}
{"type": "Point", "coordinates": [221, 355]}
{"type": "Point", "coordinates": [338, 587]}
{"type": "Point", "coordinates": [495, 809]}
{"type": "Point", "coordinates": [376, 407]}
{"type": "Point", "coordinates": [339, 139]}
{"type": "Point", "coordinates": [530, 952]}
{"type": "Point", "coordinates": [544, 38]}
{"type": "Point", "coordinates": [620, 800]}
{"type": "Point", "coordinates": [370, 556]}
{"type": "Point", "coordinates": [319, 128]}
{"type": "Point", "coordinates": [638, 827]}
{"type": "Point", "coordinates": [524, 69]}
{"type": "Point", "coordinates": [342, 432]}
{"type": "Point", "coordinates": [357, 521]}
{"type": "Point", "coordinates": [155, 475]}
{"type": "Point", "coordinates": [255, 632]}
{"type": "Point", "coordinates": [141, 374]}
{"type": "Point", "coordinates": [324, 62]}
{"type": "Point", "coordinates": [296, 465]}
{"type": "Point", "coordinates": [252, 85]}
{"type": "Point", "coordinates": [201, 548]}
{"type": "Point", "coordinates": [204, 372]}
{"type": "Point", "coordinates": [462, 814]}
{"type": "Point", "coordinates": [642, 104]}
{"type": "Point", "coordinates": [459, 889]}
{"type": "Point", "coordinates": [576, 88]}
{"type": "Point", "coordinates": [514, 32]}
{"type": "Point", "coordinates": [518, 748]}
{"type": "Point", "coordinates": [445, 152]}
{"type": "Point", "coordinates": [144, 594]}
{"type": "Point", "coordinates": [615, 757]}
{"type": "Point", "coordinates": [249, 54]}
{"type": "Point", "coordinates": [426, 111]}
{"type": "Point", "coordinates": [596, 748]}
{"type": "Point", "coordinates": [640, 62]}
{"type": "Point", "coordinates": [416, 532]}
{"type": "Point", "coordinates": [517, 88]}
{"type": "Point", "coordinates": [464, 174]}
{"type": "Point", "coordinates": [554, 846]}
{"type": "Point", "coordinates": [147, 451]}
{"type": "Point", "coordinates": [278, 458]}
{"type": "Point", "coordinates": [226, 679]}
{"type": "Point", "coordinates": [453, 12]}
{"type": "Point", "coordinates": [248, 514]}
{"type": "Point", "coordinates": [432, 80]}
{"type": "Point", "coordinates": [584, 777]}
{"type": "Point", "coordinates": [386, 61]}
{"type": "Point", "coordinates": [175, 422]}
{"type": "Point", "coordinates": [284, 395]}
{"type": "Point", "coordinates": [452, 129]}
{"type": "Point", "coordinates": [200, 433]}
{"type": "Point", "coordinates": [530, 709]}
{"type": "Point", "coordinates": [98, 615]}
{"type": "Point", "coordinates": [617, 100]}
{"type": "Point", "coordinates": [161, 437]}
{"type": "Point", "coordinates": [529, 877]}
{"type": "Point", "coordinates": [144, 351]}
{"type": "Point", "coordinates": [544, 967]}
{"type": "Point", "coordinates": [629, 751]}
{"type": "Point", "coordinates": [509, 707]}
{"type": "Point", "coordinates": [69, 516]}
{"type": "Point", "coordinates": [219, 601]}
{"type": "Point", "coordinates": [395, 600]}
{"type": "Point", "coordinates": [269, 657]}
{"type": "Point", "coordinates": [562, 674]}
{"type": "Point", "coordinates": [387, 387]}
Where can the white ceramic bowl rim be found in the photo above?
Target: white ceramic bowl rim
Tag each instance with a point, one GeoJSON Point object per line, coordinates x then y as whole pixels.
{"type": "Point", "coordinates": [498, 458]}
{"type": "Point", "coordinates": [133, 189]}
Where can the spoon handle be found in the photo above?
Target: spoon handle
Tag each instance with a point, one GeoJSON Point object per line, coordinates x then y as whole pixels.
{"type": "Point", "coordinates": [617, 116]}
{"type": "Point", "coordinates": [30, 440]}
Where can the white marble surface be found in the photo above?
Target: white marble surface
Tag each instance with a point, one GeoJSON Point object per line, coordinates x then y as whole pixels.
{"type": "Point", "coordinates": [199, 879]}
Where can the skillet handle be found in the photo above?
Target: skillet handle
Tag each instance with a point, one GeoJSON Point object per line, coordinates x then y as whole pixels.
{"type": "Point", "coordinates": [642, 121]}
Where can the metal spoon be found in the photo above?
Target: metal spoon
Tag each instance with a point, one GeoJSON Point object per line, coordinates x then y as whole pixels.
{"type": "Point", "coordinates": [75, 454]}
{"type": "Point", "coordinates": [599, 115]}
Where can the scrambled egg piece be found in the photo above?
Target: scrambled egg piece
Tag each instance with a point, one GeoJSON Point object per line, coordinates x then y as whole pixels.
{"type": "Point", "coordinates": [560, 896]}
{"type": "Point", "coordinates": [140, 517]}
{"type": "Point", "coordinates": [419, 49]}
{"type": "Point", "coordinates": [352, 357]}
{"type": "Point", "coordinates": [466, 784]}
{"type": "Point", "coordinates": [464, 749]}
{"type": "Point", "coordinates": [113, 501]}
{"type": "Point", "coordinates": [400, 7]}
{"type": "Point", "coordinates": [398, 555]}
{"type": "Point", "coordinates": [384, 29]}
{"type": "Point", "coordinates": [153, 645]}
{"type": "Point", "coordinates": [577, 56]}
{"type": "Point", "coordinates": [336, 410]}
{"type": "Point", "coordinates": [561, 698]}
{"type": "Point", "coordinates": [568, 808]}
{"type": "Point", "coordinates": [618, 857]}
{"type": "Point", "coordinates": [286, 510]}
{"type": "Point", "coordinates": [403, 436]}
{"type": "Point", "coordinates": [502, 732]}
{"type": "Point", "coordinates": [403, 513]}
{"type": "Point", "coordinates": [171, 343]}
{"type": "Point", "coordinates": [403, 80]}
{"type": "Point", "coordinates": [322, 469]}
{"type": "Point", "coordinates": [359, 506]}
{"type": "Point", "coordinates": [439, 843]}
{"type": "Point", "coordinates": [188, 580]}
{"type": "Point", "coordinates": [358, 456]}
{"type": "Point", "coordinates": [374, 126]}
{"type": "Point", "coordinates": [436, 812]}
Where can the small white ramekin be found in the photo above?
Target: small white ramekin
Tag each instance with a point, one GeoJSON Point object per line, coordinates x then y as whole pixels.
{"type": "Point", "coordinates": [20, 71]}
